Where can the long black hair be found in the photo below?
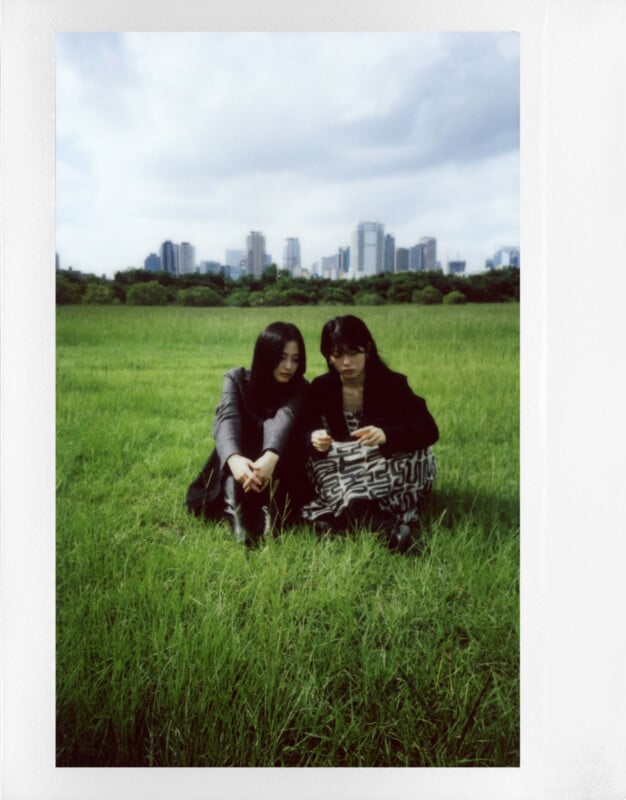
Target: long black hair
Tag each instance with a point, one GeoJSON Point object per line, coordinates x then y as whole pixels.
{"type": "Point", "coordinates": [350, 333]}
{"type": "Point", "coordinates": [268, 352]}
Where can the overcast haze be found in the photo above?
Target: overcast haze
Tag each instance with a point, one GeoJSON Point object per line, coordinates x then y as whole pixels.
{"type": "Point", "coordinates": [202, 137]}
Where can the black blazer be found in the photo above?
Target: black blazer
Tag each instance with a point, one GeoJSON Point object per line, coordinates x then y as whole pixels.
{"type": "Point", "coordinates": [388, 403]}
{"type": "Point", "coordinates": [240, 426]}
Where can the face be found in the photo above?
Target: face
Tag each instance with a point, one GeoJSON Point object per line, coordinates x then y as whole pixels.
{"type": "Point", "coordinates": [288, 364]}
{"type": "Point", "coordinates": [349, 364]}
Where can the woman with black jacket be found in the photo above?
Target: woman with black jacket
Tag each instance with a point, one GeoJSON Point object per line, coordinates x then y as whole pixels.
{"type": "Point", "coordinates": [255, 473]}
{"type": "Point", "coordinates": [368, 438]}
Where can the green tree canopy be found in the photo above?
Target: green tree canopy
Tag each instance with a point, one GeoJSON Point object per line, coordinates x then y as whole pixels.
{"type": "Point", "coordinates": [67, 291]}
{"type": "Point", "coordinates": [147, 294]}
{"type": "Point", "coordinates": [98, 294]}
{"type": "Point", "coordinates": [338, 296]}
{"type": "Point", "coordinates": [198, 296]}
{"type": "Point", "coordinates": [368, 299]}
{"type": "Point", "coordinates": [428, 296]}
{"type": "Point", "coordinates": [454, 298]}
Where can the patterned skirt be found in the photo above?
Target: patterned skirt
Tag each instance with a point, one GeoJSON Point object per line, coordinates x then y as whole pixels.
{"type": "Point", "coordinates": [351, 471]}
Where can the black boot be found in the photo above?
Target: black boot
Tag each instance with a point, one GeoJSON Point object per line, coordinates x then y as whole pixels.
{"type": "Point", "coordinates": [328, 525]}
{"type": "Point", "coordinates": [367, 514]}
{"type": "Point", "coordinates": [255, 518]}
{"type": "Point", "coordinates": [232, 509]}
{"type": "Point", "coordinates": [400, 538]}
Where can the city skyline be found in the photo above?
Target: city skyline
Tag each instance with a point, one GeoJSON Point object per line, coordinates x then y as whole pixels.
{"type": "Point", "coordinates": [422, 256]}
{"type": "Point", "coordinates": [295, 135]}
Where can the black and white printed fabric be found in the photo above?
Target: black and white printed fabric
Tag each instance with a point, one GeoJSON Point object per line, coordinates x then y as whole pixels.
{"type": "Point", "coordinates": [351, 471]}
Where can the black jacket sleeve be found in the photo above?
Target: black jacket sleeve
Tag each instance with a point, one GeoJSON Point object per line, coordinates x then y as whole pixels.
{"type": "Point", "coordinates": [403, 416]}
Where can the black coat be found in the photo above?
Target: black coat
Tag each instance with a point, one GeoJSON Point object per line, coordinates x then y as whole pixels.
{"type": "Point", "coordinates": [388, 403]}
{"type": "Point", "coordinates": [240, 426]}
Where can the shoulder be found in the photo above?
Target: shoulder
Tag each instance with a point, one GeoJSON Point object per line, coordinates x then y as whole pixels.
{"type": "Point", "coordinates": [400, 383]}
{"type": "Point", "coordinates": [323, 382]}
{"type": "Point", "coordinates": [238, 375]}
{"type": "Point", "coordinates": [391, 385]}
{"type": "Point", "coordinates": [385, 379]}
{"type": "Point", "coordinates": [236, 383]}
{"type": "Point", "coordinates": [403, 388]}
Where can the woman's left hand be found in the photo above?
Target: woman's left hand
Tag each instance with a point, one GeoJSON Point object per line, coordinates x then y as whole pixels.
{"type": "Point", "coordinates": [263, 470]}
{"type": "Point", "coordinates": [370, 435]}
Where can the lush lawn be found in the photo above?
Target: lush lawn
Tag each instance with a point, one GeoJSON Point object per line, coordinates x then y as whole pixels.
{"type": "Point", "coordinates": [178, 647]}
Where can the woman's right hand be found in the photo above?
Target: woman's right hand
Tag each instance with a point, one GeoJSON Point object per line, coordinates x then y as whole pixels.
{"type": "Point", "coordinates": [243, 471]}
{"type": "Point", "coordinates": [321, 440]}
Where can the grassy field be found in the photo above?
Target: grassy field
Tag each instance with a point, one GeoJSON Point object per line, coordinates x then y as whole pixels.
{"type": "Point", "coordinates": [178, 647]}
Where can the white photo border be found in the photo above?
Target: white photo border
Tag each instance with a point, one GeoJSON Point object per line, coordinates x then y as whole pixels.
{"type": "Point", "coordinates": [573, 170]}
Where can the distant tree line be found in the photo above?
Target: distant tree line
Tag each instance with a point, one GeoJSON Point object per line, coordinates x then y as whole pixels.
{"type": "Point", "coordinates": [278, 288]}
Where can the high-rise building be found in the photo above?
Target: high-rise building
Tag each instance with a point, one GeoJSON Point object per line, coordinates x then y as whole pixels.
{"type": "Point", "coordinates": [169, 257]}
{"type": "Point", "coordinates": [291, 256]}
{"type": "Point", "coordinates": [455, 267]}
{"type": "Point", "coordinates": [506, 257]}
{"type": "Point", "coordinates": [416, 258]}
{"type": "Point", "coordinates": [368, 249]}
{"type": "Point", "coordinates": [430, 252]}
{"type": "Point", "coordinates": [152, 263]}
{"type": "Point", "coordinates": [390, 253]}
{"type": "Point", "coordinates": [186, 258]}
{"type": "Point", "coordinates": [235, 258]}
{"type": "Point", "coordinates": [343, 262]}
{"type": "Point", "coordinates": [329, 266]}
{"type": "Point", "coordinates": [402, 259]}
{"type": "Point", "coordinates": [255, 247]}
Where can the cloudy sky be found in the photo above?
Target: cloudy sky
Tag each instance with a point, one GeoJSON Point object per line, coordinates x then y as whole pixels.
{"type": "Point", "coordinates": [202, 137]}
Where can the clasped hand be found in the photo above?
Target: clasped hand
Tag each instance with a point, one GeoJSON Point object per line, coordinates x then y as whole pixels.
{"type": "Point", "coordinates": [370, 435]}
{"type": "Point", "coordinates": [254, 476]}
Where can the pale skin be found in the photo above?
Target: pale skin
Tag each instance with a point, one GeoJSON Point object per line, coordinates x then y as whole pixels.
{"type": "Point", "coordinates": [254, 476]}
{"type": "Point", "coordinates": [350, 364]}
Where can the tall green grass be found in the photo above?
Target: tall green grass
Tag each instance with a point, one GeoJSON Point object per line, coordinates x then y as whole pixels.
{"type": "Point", "coordinates": [178, 647]}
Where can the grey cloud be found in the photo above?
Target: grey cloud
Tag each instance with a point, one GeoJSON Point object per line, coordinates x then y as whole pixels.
{"type": "Point", "coordinates": [454, 110]}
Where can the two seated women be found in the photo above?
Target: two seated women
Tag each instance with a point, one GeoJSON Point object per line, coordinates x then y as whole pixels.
{"type": "Point", "coordinates": [350, 450]}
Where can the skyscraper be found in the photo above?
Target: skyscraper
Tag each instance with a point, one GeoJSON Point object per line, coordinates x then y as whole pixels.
{"type": "Point", "coordinates": [152, 263]}
{"type": "Point", "coordinates": [186, 259]}
{"type": "Point", "coordinates": [169, 257]}
{"type": "Point", "coordinates": [367, 250]}
{"type": "Point", "coordinates": [291, 256]}
{"type": "Point", "coordinates": [343, 262]}
{"type": "Point", "coordinates": [390, 253]}
{"type": "Point", "coordinates": [416, 257]}
{"type": "Point", "coordinates": [235, 258]}
{"type": "Point", "coordinates": [402, 259]}
{"type": "Point", "coordinates": [430, 252]}
{"type": "Point", "coordinates": [255, 246]}
{"type": "Point", "coordinates": [506, 257]}
{"type": "Point", "coordinates": [329, 266]}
